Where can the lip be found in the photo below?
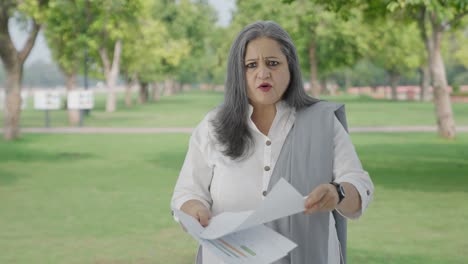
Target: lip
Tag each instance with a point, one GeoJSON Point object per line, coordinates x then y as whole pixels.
{"type": "Point", "coordinates": [265, 87]}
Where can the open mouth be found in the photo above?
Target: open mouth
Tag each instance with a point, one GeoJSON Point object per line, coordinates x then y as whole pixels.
{"type": "Point", "coordinates": [265, 87]}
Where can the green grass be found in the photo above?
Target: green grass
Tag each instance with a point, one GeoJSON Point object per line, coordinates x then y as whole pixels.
{"type": "Point", "coordinates": [105, 199]}
{"type": "Point", "coordinates": [365, 111]}
{"type": "Point", "coordinates": [187, 109]}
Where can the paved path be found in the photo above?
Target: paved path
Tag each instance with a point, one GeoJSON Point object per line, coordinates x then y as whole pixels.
{"type": "Point", "coordinates": [162, 130]}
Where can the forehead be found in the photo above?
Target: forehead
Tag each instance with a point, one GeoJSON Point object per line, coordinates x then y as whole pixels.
{"type": "Point", "coordinates": [263, 47]}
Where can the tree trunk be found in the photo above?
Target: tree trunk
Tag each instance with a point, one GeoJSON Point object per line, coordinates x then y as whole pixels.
{"type": "Point", "coordinates": [13, 61]}
{"type": "Point", "coordinates": [347, 79]}
{"type": "Point", "coordinates": [111, 72]}
{"type": "Point", "coordinates": [73, 114]}
{"type": "Point", "coordinates": [128, 94]}
{"type": "Point", "coordinates": [314, 84]}
{"type": "Point", "coordinates": [323, 86]}
{"type": "Point", "coordinates": [425, 71]}
{"type": "Point", "coordinates": [443, 105]}
{"type": "Point", "coordinates": [178, 87]}
{"type": "Point", "coordinates": [111, 100]}
{"type": "Point", "coordinates": [128, 91]}
{"type": "Point", "coordinates": [424, 82]}
{"type": "Point", "coordinates": [156, 92]}
{"type": "Point", "coordinates": [12, 110]}
{"type": "Point", "coordinates": [187, 87]}
{"type": "Point", "coordinates": [394, 80]}
{"type": "Point", "coordinates": [144, 93]}
{"type": "Point", "coordinates": [169, 86]}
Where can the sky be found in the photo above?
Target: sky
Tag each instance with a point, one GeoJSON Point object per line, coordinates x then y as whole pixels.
{"type": "Point", "coordinates": [42, 52]}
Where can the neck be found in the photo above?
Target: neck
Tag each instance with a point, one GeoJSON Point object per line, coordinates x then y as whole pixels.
{"type": "Point", "coordinates": [263, 116]}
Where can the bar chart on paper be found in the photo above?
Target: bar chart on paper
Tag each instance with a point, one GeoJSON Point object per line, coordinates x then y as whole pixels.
{"type": "Point", "coordinates": [255, 245]}
{"type": "Point", "coordinates": [241, 237]}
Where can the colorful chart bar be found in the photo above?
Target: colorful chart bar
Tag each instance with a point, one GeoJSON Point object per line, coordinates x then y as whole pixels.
{"type": "Point", "coordinates": [231, 247]}
{"type": "Point", "coordinates": [248, 250]}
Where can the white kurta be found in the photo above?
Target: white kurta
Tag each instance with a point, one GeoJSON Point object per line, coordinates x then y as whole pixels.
{"type": "Point", "coordinates": [239, 185]}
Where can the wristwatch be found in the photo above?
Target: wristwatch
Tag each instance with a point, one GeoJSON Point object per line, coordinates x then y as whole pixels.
{"type": "Point", "coordinates": [340, 190]}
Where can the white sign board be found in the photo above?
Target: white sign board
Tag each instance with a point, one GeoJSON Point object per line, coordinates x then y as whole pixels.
{"type": "Point", "coordinates": [47, 100]}
{"type": "Point", "coordinates": [82, 99]}
{"type": "Point", "coordinates": [24, 100]}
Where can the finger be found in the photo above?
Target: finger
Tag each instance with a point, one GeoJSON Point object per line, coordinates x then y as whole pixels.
{"type": "Point", "coordinates": [203, 217]}
{"type": "Point", "coordinates": [313, 207]}
{"type": "Point", "coordinates": [316, 206]}
{"type": "Point", "coordinates": [327, 203]}
{"type": "Point", "coordinates": [315, 196]}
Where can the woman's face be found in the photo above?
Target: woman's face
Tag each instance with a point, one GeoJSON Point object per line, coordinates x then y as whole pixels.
{"type": "Point", "coordinates": [266, 71]}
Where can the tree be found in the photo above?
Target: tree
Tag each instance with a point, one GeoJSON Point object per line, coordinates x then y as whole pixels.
{"type": "Point", "coordinates": [65, 33]}
{"type": "Point", "coordinates": [325, 41]}
{"type": "Point", "coordinates": [109, 23]}
{"type": "Point", "coordinates": [195, 21]}
{"type": "Point", "coordinates": [396, 48]}
{"type": "Point", "coordinates": [434, 18]}
{"type": "Point", "coordinates": [441, 16]}
{"type": "Point", "coordinates": [190, 22]}
{"type": "Point", "coordinates": [149, 50]}
{"type": "Point", "coordinates": [33, 12]}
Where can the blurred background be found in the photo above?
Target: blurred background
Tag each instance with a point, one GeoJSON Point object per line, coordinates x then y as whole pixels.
{"type": "Point", "coordinates": [98, 99]}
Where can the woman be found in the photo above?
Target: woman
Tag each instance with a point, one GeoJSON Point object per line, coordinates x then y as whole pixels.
{"type": "Point", "coordinates": [266, 129]}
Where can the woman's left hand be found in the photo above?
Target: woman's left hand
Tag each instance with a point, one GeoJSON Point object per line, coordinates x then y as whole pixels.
{"type": "Point", "coordinates": [323, 198]}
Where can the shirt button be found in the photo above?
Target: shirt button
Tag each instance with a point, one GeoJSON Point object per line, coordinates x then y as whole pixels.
{"type": "Point", "coordinates": [268, 142]}
{"type": "Point", "coordinates": [264, 193]}
{"type": "Point", "coordinates": [267, 168]}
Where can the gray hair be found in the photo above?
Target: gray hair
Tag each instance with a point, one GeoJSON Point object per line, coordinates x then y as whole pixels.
{"type": "Point", "coordinates": [231, 122]}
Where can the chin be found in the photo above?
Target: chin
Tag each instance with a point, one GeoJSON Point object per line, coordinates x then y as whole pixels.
{"type": "Point", "coordinates": [266, 101]}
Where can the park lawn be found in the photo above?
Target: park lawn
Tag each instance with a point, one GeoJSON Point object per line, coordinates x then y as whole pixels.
{"type": "Point", "coordinates": [188, 108]}
{"type": "Point", "coordinates": [105, 199]}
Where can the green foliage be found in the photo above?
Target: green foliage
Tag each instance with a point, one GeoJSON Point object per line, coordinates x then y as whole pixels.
{"type": "Point", "coordinates": [149, 45]}
{"type": "Point", "coordinates": [109, 21]}
{"type": "Point", "coordinates": [66, 33]}
{"type": "Point", "coordinates": [459, 45]}
{"type": "Point", "coordinates": [339, 42]}
{"type": "Point", "coordinates": [443, 11]}
{"type": "Point", "coordinates": [79, 25]}
{"type": "Point", "coordinates": [194, 22]}
{"type": "Point", "coordinates": [365, 73]}
{"type": "Point", "coordinates": [396, 47]}
{"type": "Point", "coordinates": [35, 9]}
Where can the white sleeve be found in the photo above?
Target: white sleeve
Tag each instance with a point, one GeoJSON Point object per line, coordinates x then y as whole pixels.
{"type": "Point", "coordinates": [196, 173]}
{"type": "Point", "coordinates": [347, 168]}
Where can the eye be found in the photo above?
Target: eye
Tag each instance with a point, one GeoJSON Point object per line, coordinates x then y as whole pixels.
{"type": "Point", "coordinates": [251, 65]}
{"type": "Point", "coordinates": [273, 63]}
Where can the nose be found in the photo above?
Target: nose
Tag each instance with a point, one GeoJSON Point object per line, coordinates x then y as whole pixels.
{"type": "Point", "coordinates": [264, 73]}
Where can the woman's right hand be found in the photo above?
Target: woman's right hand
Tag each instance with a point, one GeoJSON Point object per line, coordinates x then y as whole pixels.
{"type": "Point", "coordinates": [198, 210]}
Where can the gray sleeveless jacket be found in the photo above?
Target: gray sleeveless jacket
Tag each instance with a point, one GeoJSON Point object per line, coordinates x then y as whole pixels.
{"type": "Point", "coordinates": [305, 161]}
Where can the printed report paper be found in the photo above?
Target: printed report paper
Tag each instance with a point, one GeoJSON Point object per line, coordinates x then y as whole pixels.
{"type": "Point", "coordinates": [241, 237]}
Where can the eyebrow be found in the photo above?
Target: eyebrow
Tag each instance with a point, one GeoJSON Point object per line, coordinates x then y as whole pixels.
{"type": "Point", "coordinates": [268, 57]}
